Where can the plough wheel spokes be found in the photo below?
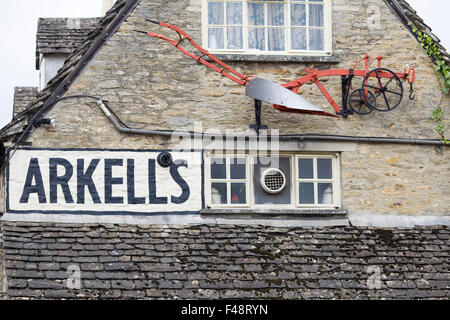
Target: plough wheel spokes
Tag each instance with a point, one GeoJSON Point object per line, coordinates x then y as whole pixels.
{"type": "Point", "coordinates": [386, 88]}
{"type": "Point", "coordinates": [357, 104]}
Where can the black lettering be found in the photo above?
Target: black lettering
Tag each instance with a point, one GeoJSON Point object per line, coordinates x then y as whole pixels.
{"type": "Point", "coordinates": [132, 199]}
{"type": "Point", "coordinates": [84, 179]}
{"type": "Point", "coordinates": [185, 191]}
{"type": "Point", "coordinates": [63, 180]}
{"type": "Point", "coordinates": [34, 171]}
{"type": "Point", "coordinates": [153, 199]}
{"type": "Point", "coordinates": [110, 181]}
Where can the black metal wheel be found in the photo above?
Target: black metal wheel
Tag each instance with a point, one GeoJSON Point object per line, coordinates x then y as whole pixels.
{"type": "Point", "coordinates": [357, 104]}
{"type": "Point", "coordinates": [385, 86]}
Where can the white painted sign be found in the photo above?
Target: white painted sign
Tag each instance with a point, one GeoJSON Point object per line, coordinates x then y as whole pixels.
{"type": "Point", "coordinates": [103, 182]}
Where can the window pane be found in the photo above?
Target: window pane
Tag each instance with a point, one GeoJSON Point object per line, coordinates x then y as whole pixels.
{"type": "Point", "coordinates": [218, 168]}
{"type": "Point", "coordinates": [237, 168]}
{"type": "Point", "coordinates": [305, 168]}
{"type": "Point", "coordinates": [234, 13]}
{"type": "Point", "coordinates": [238, 193]}
{"type": "Point", "coordinates": [256, 14]}
{"type": "Point", "coordinates": [215, 38]}
{"type": "Point", "coordinates": [316, 15]}
{"type": "Point", "coordinates": [306, 193]}
{"type": "Point", "coordinates": [275, 14]}
{"type": "Point", "coordinates": [256, 38]}
{"type": "Point", "coordinates": [219, 193]}
{"type": "Point", "coordinates": [298, 39]}
{"type": "Point", "coordinates": [325, 193]}
{"type": "Point", "coordinates": [234, 38]}
{"type": "Point", "coordinates": [298, 15]}
{"type": "Point", "coordinates": [215, 13]}
{"type": "Point", "coordinates": [316, 39]}
{"type": "Point", "coordinates": [276, 39]}
{"type": "Point", "coordinates": [324, 169]}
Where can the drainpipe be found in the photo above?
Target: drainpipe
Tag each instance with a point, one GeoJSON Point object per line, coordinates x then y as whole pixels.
{"type": "Point", "coordinates": [301, 137]}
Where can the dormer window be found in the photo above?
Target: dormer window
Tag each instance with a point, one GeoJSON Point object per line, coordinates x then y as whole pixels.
{"type": "Point", "coordinates": [267, 27]}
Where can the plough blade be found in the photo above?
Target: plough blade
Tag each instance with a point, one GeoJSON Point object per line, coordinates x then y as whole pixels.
{"type": "Point", "coordinates": [267, 91]}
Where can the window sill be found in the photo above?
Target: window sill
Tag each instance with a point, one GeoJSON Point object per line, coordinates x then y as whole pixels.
{"type": "Point", "coordinates": [277, 212]}
{"type": "Point", "coordinates": [277, 58]}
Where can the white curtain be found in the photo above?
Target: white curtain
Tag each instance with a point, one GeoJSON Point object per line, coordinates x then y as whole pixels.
{"type": "Point", "coordinates": [275, 17]}
{"type": "Point", "coordinates": [225, 25]}
{"type": "Point", "coordinates": [226, 15]}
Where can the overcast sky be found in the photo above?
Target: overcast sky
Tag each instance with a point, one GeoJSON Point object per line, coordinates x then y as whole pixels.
{"type": "Point", "coordinates": [18, 23]}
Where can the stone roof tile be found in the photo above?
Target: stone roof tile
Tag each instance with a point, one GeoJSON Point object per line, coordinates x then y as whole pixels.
{"type": "Point", "coordinates": [62, 35]}
{"type": "Point", "coordinates": [412, 263]}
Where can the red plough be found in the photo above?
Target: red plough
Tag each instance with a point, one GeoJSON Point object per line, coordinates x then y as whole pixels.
{"type": "Point", "coordinates": [381, 89]}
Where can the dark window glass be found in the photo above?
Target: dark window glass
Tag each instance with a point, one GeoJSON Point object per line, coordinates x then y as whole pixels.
{"type": "Point", "coordinates": [238, 193]}
{"type": "Point", "coordinates": [237, 168]}
{"type": "Point", "coordinates": [325, 191]}
{"type": "Point", "coordinates": [219, 193]}
{"type": "Point", "coordinates": [324, 169]}
{"type": "Point", "coordinates": [305, 168]}
{"type": "Point", "coordinates": [306, 193]}
{"type": "Point", "coordinates": [218, 168]}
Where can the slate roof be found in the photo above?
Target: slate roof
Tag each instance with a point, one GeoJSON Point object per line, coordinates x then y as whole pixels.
{"type": "Point", "coordinates": [226, 261]}
{"type": "Point", "coordinates": [408, 15]}
{"type": "Point", "coordinates": [23, 96]}
{"type": "Point", "coordinates": [62, 35]}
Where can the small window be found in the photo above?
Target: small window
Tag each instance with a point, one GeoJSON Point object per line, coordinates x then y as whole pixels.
{"type": "Point", "coordinates": [317, 181]}
{"type": "Point", "coordinates": [307, 181]}
{"type": "Point", "coordinates": [228, 183]}
{"type": "Point", "coordinates": [267, 27]}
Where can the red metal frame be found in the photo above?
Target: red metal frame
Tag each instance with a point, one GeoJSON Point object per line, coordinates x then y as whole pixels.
{"type": "Point", "coordinates": [313, 75]}
{"type": "Point", "coordinates": [232, 75]}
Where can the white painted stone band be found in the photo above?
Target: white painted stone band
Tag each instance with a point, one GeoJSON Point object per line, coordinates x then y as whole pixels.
{"type": "Point", "coordinates": [190, 219]}
{"type": "Point", "coordinates": [391, 221]}
{"type": "Point", "coordinates": [358, 220]}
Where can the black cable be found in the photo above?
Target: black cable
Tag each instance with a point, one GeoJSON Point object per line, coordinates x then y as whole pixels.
{"type": "Point", "coordinates": [115, 115]}
{"type": "Point", "coordinates": [31, 125]}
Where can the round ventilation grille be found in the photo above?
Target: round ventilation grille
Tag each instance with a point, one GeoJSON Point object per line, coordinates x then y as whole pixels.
{"type": "Point", "coordinates": [273, 180]}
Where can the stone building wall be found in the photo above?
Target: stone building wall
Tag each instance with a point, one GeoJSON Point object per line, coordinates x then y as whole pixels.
{"type": "Point", "coordinates": [151, 85]}
{"type": "Point", "coordinates": [225, 262]}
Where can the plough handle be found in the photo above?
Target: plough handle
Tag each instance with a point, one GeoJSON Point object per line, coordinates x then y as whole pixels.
{"type": "Point", "coordinates": [231, 74]}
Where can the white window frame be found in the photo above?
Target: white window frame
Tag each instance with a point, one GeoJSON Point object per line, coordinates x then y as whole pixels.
{"type": "Point", "coordinates": [208, 181]}
{"type": "Point", "coordinates": [294, 182]}
{"type": "Point", "coordinates": [335, 181]}
{"type": "Point", "coordinates": [328, 32]}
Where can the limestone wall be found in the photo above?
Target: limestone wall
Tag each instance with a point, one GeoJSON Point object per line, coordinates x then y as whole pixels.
{"type": "Point", "coordinates": [149, 84]}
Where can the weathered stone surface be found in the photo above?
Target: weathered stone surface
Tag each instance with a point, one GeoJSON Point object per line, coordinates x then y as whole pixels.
{"type": "Point", "coordinates": [313, 269]}
{"type": "Point", "coordinates": [376, 178]}
{"type": "Point", "coordinates": [23, 96]}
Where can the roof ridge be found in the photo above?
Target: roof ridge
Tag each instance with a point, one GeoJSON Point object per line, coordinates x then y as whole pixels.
{"type": "Point", "coordinates": [406, 13]}
{"type": "Point", "coordinates": [62, 35]}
